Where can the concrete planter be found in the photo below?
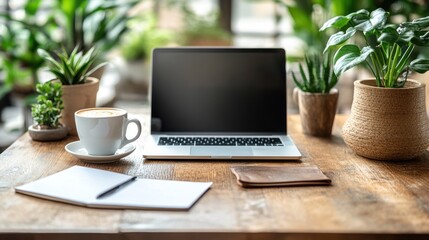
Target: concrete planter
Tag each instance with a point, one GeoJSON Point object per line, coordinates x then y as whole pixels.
{"type": "Point", "coordinates": [43, 135]}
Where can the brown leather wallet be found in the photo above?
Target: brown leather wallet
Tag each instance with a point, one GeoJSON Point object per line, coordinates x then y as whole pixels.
{"type": "Point", "coordinates": [271, 176]}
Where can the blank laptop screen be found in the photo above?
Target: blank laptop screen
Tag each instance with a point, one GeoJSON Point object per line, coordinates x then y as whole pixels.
{"type": "Point", "coordinates": [214, 90]}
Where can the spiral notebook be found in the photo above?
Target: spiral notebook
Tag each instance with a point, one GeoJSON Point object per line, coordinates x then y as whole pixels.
{"type": "Point", "coordinates": [104, 189]}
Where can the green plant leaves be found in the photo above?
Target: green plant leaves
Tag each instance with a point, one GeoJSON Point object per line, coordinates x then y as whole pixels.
{"type": "Point", "coordinates": [361, 20]}
{"type": "Point", "coordinates": [319, 77]}
{"type": "Point", "coordinates": [336, 22]}
{"type": "Point", "coordinates": [49, 104]}
{"type": "Point", "coordinates": [387, 49]}
{"type": "Point", "coordinates": [359, 16]}
{"type": "Point", "coordinates": [416, 24]}
{"type": "Point", "coordinates": [420, 65]}
{"type": "Point", "coordinates": [349, 56]}
{"type": "Point", "coordinates": [71, 69]}
{"type": "Point", "coordinates": [421, 38]}
{"type": "Point", "coordinates": [388, 35]}
{"type": "Point", "coordinates": [32, 6]}
{"type": "Point", "coordinates": [378, 18]}
{"type": "Point", "coordinates": [339, 38]}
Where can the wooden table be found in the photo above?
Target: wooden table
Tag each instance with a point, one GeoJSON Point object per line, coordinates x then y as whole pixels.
{"type": "Point", "coordinates": [368, 199]}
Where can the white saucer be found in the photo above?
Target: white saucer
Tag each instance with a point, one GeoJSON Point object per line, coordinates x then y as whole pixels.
{"type": "Point", "coordinates": [76, 149]}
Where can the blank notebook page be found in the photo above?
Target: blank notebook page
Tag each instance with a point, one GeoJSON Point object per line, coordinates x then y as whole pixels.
{"type": "Point", "coordinates": [149, 193]}
{"type": "Point", "coordinates": [76, 184]}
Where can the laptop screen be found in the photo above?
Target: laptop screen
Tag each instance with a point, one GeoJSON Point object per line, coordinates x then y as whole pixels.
{"type": "Point", "coordinates": [218, 90]}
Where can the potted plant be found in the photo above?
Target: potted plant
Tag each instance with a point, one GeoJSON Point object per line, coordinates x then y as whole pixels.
{"type": "Point", "coordinates": [316, 96]}
{"type": "Point", "coordinates": [202, 30]}
{"type": "Point", "coordinates": [79, 90]}
{"type": "Point", "coordinates": [136, 49]}
{"type": "Point", "coordinates": [46, 113]}
{"type": "Point", "coordinates": [388, 119]}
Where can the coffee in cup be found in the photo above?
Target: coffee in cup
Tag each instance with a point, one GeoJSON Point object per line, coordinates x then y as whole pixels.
{"type": "Point", "coordinates": [102, 131]}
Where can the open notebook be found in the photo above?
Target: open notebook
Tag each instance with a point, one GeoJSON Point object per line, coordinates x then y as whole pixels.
{"type": "Point", "coordinates": [83, 186]}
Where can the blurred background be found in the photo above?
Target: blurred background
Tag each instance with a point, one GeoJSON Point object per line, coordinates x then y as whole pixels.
{"type": "Point", "coordinates": [126, 31]}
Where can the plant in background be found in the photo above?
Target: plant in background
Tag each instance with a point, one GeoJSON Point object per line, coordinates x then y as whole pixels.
{"type": "Point", "coordinates": [319, 77]}
{"type": "Point", "coordinates": [203, 27]}
{"type": "Point", "coordinates": [307, 16]}
{"type": "Point", "coordinates": [88, 23]}
{"type": "Point", "coordinates": [46, 111]}
{"type": "Point", "coordinates": [71, 69]}
{"type": "Point", "coordinates": [388, 47]}
{"type": "Point", "coordinates": [19, 41]}
{"type": "Point", "coordinates": [145, 36]}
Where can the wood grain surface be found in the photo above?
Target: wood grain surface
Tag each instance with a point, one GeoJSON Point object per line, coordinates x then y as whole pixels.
{"type": "Point", "coordinates": [367, 200]}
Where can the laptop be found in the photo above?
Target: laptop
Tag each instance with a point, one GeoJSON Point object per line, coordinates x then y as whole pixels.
{"type": "Point", "coordinates": [219, 103]}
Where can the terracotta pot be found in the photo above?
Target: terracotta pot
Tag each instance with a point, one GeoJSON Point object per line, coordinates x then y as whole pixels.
{"type": "Point", "coordinates": [44, 135]}
{"type": "Point", "coordinates": [98, 74]}
{"type": "Point", "coordinates": [76, 97]}
{"type": "Point", "coordinates": [317, 111]}
{"type": "Point", "coordinates": [387, 123]}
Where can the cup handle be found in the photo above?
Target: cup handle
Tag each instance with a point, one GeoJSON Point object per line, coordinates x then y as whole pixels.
{"type": "Point", "coordinates": [125, 140]}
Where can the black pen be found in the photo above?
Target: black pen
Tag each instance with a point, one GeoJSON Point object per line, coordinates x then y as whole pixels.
{"type": "Point", "coordinates": [115, 188]}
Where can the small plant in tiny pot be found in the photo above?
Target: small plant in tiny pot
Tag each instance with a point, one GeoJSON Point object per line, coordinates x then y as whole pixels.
{"type": "Point", "coordinates": [388, 119]}
{"type": "Point", "coordinates": [73, 70]}
{"type": "Point", "coordinates": [316, 96]}
{"type": "Point", "coordinates": [46, 113]}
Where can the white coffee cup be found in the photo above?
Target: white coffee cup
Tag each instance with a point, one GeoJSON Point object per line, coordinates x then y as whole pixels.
{"type": "Point", "coordinates": [102, 131]}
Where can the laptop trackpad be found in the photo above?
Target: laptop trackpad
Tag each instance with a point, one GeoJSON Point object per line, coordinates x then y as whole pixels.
{"type": "Point", "coordinates": [221, 151]}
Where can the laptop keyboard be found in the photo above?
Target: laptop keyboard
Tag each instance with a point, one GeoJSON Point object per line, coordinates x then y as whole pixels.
{"type": "Point", "coordinates": [220, 141]}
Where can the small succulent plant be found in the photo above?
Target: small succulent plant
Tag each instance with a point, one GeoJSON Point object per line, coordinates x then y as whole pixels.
{"type": "Point", "coordinates": [46, 111]}
{"type": "Point", "coordinates": [71, 69]}
{"type": "Point", "coordinates": [319, 78]}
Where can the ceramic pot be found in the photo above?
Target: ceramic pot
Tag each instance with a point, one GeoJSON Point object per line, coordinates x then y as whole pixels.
{"type": "Point", "coordinates": [43, 135]}
{"type": "Point", "coordinates": [76, 97]}
{"type": "Point", "coordinates": [387, 123]}
{"type": "Point", "coordinates": [317, 111]}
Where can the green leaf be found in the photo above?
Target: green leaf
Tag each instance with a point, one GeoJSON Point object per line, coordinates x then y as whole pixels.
{"type": "Point", "coordinates": [96, 68]}
{"type": "Point", "coordinates": [105, 6]}
{"type": "Point", "coordinates": [68, 72]}
{"type": "Point", "coordinates": [389, 35]}
{"type": "Point", "coordinates": [378, 18]}
{"type": "Point", "coordinates": [47, 109]}
{"type": "Point", "coordinates": [419, 23]}
{"type": "Point", "coordinates": [349, 56]}
{"type": "Point", "coordinates": [44, 54]}
{"type": "Point", "coordinates": [360, 14]}
{"type": "Point", "coordinates": [364, 26]}
{"type": "Point", "coordinates": [306, 82]}
{"type": "Point", "coordinates": [32, 6]}
{"type": "Point", "coordinates": [71, 69]}
{"type": "Point", "coordinates": [420, 38]}
{"type": "Point", "coordinates": [297, 83]}
{"type": "Point", "coordinates": [422, 22]}
{"type": "Point", "coordinates": [420, 65]}
{"type": "Point", "coordinates": [339, 38]}
{"type": "Point", "coordinates": [359, 17]}
{"type": "Point", "coordinates": [336, 22]}
{"type": "Point", "coordinates": [366, 23]}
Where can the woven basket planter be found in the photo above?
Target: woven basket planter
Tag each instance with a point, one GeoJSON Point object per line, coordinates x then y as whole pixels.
{"type": "Point", "coordinates": [388, 123]}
